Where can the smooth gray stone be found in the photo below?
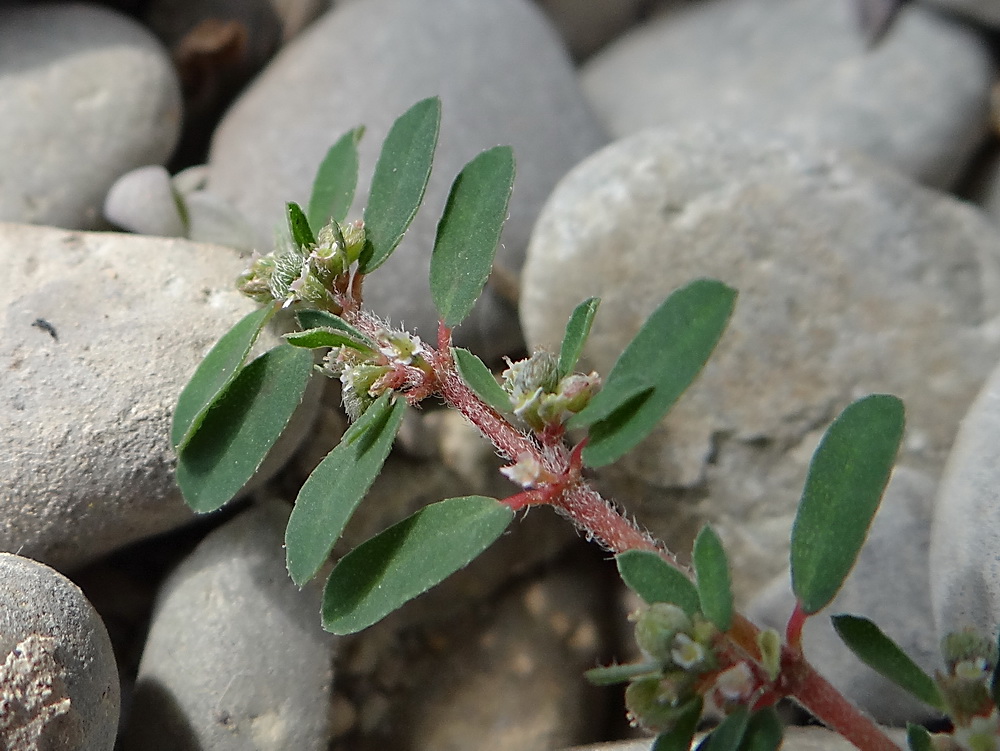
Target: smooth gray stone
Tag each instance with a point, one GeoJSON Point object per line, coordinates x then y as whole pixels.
{"type": "Point", "coordinates": [86, 95]}
{"type": "Point", "coordinates": [99, 332]}
{"type": "Point", "coordinates": [235, 659]}
{"type": "Point", "coordinates": [964, 562]}
{"type": "Point", "coordinates": [504, 79]}
{"type": "Point", "coordinates": [889, 585]}
{"type": "Point", "coordinates": [58, 678]}
{"type": "Point", "coordinates": [918, 101]}
{"type": "Point", "coordinates": [852, 279]}
{"type": "Point", "coordinates": [143, 201]}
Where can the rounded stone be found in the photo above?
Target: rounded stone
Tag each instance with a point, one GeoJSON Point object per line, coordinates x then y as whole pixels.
{"type": "Point", "coordinates": [86, 95]}
{"type": "Point", "coordinates": [59, 681]}
{"type": "Point", "coordinates": [503, 77]}
{"type": "Point", "coordinates": [99, 333]}
{"type": "Point", "coordinates": [851, 280]}
{"type": "Point", "coordinates": [235, 658]}
{"type": "Point", "coordinates": [918, 101]}
{"type": "Point", "coordinates": [143, 201]}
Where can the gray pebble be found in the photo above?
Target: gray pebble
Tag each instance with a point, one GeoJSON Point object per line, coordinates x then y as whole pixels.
{"type": "Point", "coordinates": [144, 202]}
{"type": "Point", "coordinates": [86, 94]}
{"type": "Point", "coordinates": [235, 659]}
{"type": "Point", "coordinates": [58, 679]}
{"type": "Point", "coordinates": [504, 79]}
{"type": "Point", "coordinates": [918, 101]}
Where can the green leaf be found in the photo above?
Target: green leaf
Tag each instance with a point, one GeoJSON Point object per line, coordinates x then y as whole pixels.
{"type": "Point", "coordinates": [608, 675]}
{"type": "Point", "coordinates": [680, 736]}
{"type": "Point", "coordinates": [214, 374]}
{"type": "Point", "coordinates": [329, 496]}
{"type": "Point", "coordinates": [409, 558]}
{"type": "Point", "coordinates": [663, 359]}
{"type": "Point", "coordinates": [712, 577]}
{"type": "Point", "coordinates": [764, 731]}
{"type": "Point", "coordinates": [655, 580]}
{"type": "Point", "coordinates": [242, 426]}
{"type": "Point", "coordinates": [298, 225]}
{"type": "Point", "coordinates": [322, 319]}
{"type": "Point", "coordinates": [400, 178]}
{"type": "Point", "coordinates": [336, 179]}
{"type": "Point", "coordinates": [918, 738]}
{"type": "Point", "coordinates": [847, 477]}
{"type": "Point", "coordinates": [469, 231]}
{"type": "Point", "coordinates": [577, 331]}
{"type": "Point", "coordinates": [326, 336]}
{"type": "Point", "coordinates": [884, 656]}
{"type": "Point", "coordinates": [729, 733]}
{"type": "Point", "coordinates": [479, 378]}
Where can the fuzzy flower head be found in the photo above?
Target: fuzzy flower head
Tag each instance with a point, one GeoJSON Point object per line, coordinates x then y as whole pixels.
{"type": "Point", "coordinates": [540, 397]}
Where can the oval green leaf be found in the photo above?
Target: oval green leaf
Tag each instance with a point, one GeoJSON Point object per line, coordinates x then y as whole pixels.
{"type": "Point", "coordinates": [400, 178]}
{"type": "Point", "coordinates": [329, 496]}
{"type": "Point", "coordinates": [311, 318]}
{"type": "Point", "coordinates": [729, 734]}
{"type": "Point", "coordinates": [298, 226]}
{"type": "Point", "coordinates": [469, 231]}
{"type": "Point", "coordinates": [764, 731]}
{"type": "Point", "coordinates": [680, 736]}
{"type": "Point", "coordinates": [479, 378]}
{"type": "Point", "coordinates": [242, 426]}
{"type": "Point", "coordinates": [884, 656]}
{"type": "Point", "coordinates": [577, 331]}
{"type": "Point", "coordinates": [326, 336]}
{"type": "Point", "coordinates": [409, 558]}
{"type": "Point", "coordinates": [664, 358]}
{"type": "Point", "coordinates": [655, 580]}
{"type": "Point", "coordinates": [844, 487]}
{"type": "Point", "coordinates": [712, 578]}
{"type": "Point", "coordinates": [336, 179]}
{"type": "Point", "coordinates": [214, 374]}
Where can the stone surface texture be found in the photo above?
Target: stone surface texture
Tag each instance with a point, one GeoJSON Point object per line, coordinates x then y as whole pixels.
{"type": "Point", "coordinates": [58, 680]}
{"type": "Point", "coordinates": [917, 101]}
{"type": "Point", "coordinates": [851, 280]}
{"type": "Point", "coordinates": [235, 658]}
{"type": "Point", "coordinates": [86, 94]}
{"type": "Point", "coordinates": [503, 77]}
{"type": "Point", "coordinates": [985, 12]}
{"type": "Point", "coordinates": [99, 332]}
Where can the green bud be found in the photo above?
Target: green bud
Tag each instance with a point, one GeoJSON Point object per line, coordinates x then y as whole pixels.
{"type": "Point", "coordinates": [354, 240]}
{"type": "Point", "coordinates": [657, 703]}
{"type": "Point", "coordinates": [769, 643]}
{"type": "Point", "coordinates": [656, 627]}
{"type": "Point", "coordinates": [968, 646]}
{"type": "Point", "coordinates": [255, 282]}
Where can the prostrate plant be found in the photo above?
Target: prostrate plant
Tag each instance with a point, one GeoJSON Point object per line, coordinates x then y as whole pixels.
{"type": "Point", "coordinates": [697, 650]}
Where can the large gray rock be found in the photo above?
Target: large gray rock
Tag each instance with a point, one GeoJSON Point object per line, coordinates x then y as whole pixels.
{"type": "Point", "coordinates": [965, 569]}
{"type": "Point", "coordinates": [917, 101]}
{"type": "Point", "coordinates": [99, 333]}
{"type": "Point", "coordinates": [889, 585]}
{"type": "Point", "coordinates": [86, 94]}
{"type": "Point", "coordinates": [235, 658]}
{"type": "Point", "coordinates": [851, 280]}
{"type": "Point", "coordinates": [504, 79]}
{"type": "Point", "coordinates": [58, 680]}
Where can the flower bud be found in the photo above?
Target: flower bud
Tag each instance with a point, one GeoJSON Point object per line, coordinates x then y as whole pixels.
{"type": "Point", "coordinates": [657, 703]}
{"type": "Point", "coordinates": [968, 646]}
{"type": "Point", "coordinates": [656, 627]}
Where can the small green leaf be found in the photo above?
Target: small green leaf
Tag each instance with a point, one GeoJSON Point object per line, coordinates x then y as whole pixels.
{"type": "Point", "coordinates": [764, 731]}
{"type": "Point", "coordinates": [918, 738]}
{"type": "Point", "coordinates": [298, 225]}
{"type": "Point", "coordinates": [326, 336]}
{"type": "Point", "coordinates": [577, 331]}
{"type": "Point", "coordinates": [847, 477]}
{"type": "Point", "coordinates": [663, 359]}
{"type": "Point", "coordinates": [884, 656]}
{"type": "Point", "coordinates": [214, 374]}
{"type": "Point", "coordinates": [409, 558]}
{"type": "Point", "coordinates": [242, 426]}
{"type": "Point", "coordinates": [729, 733]}
{"type": "Point", "coordinates": [608, 675]}
{"type": "Point", "coordinates": [336, 179]}
{"type": "Point", "coordinates": [712, 577]}
{"type": "Point", "coordinates": [680, 736]}
{"type": "Point", "coordinates": [479, 378]}
{"type": "Point", "coordinates": [400, 178]}
{"type": "Point", "coordinates": [469, 231]}
{"type": "Point", "coordinates": [320, 319]}
{"type": "Point", "coordinates": [335, 488]}
{"type": "Point", "coordinates": [655, 580]}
